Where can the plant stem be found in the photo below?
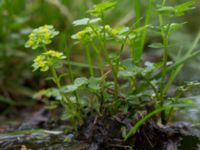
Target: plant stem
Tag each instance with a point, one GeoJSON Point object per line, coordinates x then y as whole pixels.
{"type": "Point", "coordinates": [137, 10]}
{"type": "Point", "coordinates": [100, 60]}
{"type": "Point", "coordinates": [88, 55]}
{"type": "Point", "coordinates": [65, 100]}
{"type": "Point", "coordinates": [115, 74]}
{"type": "Point", "coordinates": [164, 69]}
{"type": "Point", "coordinates": [104, 39]}
{"type": "Point", "coordinates": [108, 60]}
{"type": "Point", "coordinates": [152, 86]}
{"type": "Point", "coordinates": [72, 79]}
{"type": "Point", "coordinates": [56, 78]}
{"type": "Point", "coordinates": [144, 34]}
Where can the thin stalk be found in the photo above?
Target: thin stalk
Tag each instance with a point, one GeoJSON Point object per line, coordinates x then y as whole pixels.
{"type": "Point", "coordinates": [66, 100]}
{"type": "Point", "coordinates": [104, 39]}
{"type": "Point", "coordinates": [115, 74]}
{"type": "Point", "coordinates": [164, 69]}
{"type": "Point", "coordinates": [137, 10]}
{"type": "Point", "coordinates": [100, 60]}
{"type": "Point", "coordinates": [163, 3]}
{"type": "Point", "coordinates": [72, 79]}
{"type": "Point", "coordinates": [57, 82]}
{"type": "Point", "coordinates": [108, 60]}
{"type": "Point", "coordinates": [116, 69]}
{"type": "Point", "coordinates": [100, 39]}
{"type": "Point", "coordinates": [133, 50]}
{"type": "Point", "coordinates": [89, 59]}
{"type": "Point", "coordinates": [169, 114]}
{"type": "Point", "coordinates": [137, 53]}
{"type": "Point", "coordinates": [135, 46]}
{"type": "Point", "coordinates": [152, 86]}
{"type": "Point", "coordinates": [68, 52]}
{"type": "Point", "coordinates": [147, 19]}
{"type": "Point", "coordinates": [56, 78]}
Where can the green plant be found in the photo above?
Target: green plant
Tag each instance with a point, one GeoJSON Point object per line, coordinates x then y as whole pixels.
{"type": "Point", "coordinates": [52, 60]}
{"type": "Point", "coordinates": [119, 85]}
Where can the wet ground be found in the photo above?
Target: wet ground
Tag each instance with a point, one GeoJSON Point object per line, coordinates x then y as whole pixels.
{"type": "Point", "coordinates": [38, 133]}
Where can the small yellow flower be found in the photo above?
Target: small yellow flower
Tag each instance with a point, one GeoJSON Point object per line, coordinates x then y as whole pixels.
{"type": "Point", "coordinates": [107, 27]}
{"type": "Point", "coordinates": [80, 34]}
{"type": "Point", "coordinates": [47, 60]}
{"type": "Point", "coordinates": [41, 36]}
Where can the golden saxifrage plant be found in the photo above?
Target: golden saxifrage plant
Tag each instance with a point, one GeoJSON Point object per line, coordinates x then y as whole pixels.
{"type": "Point", "coordinates": [102, 93]}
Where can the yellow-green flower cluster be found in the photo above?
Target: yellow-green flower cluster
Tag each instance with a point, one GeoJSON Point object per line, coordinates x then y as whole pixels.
{"type": "Point", "coordinates": [41, 36]}
{"type": "Point", "coordinates": [47, 60]}
{"type": "Point", "coordinates": [82, 35]}
{"type": "Point", "coordinates": [89, 34]}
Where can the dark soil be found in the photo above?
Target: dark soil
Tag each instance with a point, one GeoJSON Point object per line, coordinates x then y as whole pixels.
{"type": "Point", "coordinates": [106, 134]}
{"type": "Point", "coordinates": [97, 133]}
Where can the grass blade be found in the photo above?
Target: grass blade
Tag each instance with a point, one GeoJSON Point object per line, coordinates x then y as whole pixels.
{"type": "Point", "coordinates": [140, 122]}
{"type": "Point", "coordinates": [137, 9]}
{"type": "Point", "coordinates": [177, 70]}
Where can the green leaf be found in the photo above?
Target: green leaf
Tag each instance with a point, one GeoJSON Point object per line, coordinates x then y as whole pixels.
{"type": "Point", "coordinates": [69, 88]}
{"type": "Point", "coordinates": [128, 64]}
{"type": "Point", "coordinates": [95, 20]}
{"type": "Point", "coordinates": [113, 58]}
{"type": "Point", "coordinates": [94, 83]}
{"type": "Point", "coordinates": [126, 73]}
{"type": "Point", "coordinates": [150, 68]}
{"type": "Point", "coordinates": [79, 22]}
{"type": "Point", "coordinates": [85, 21]}
{"type": "Point", "coordinates": [102, 7]}
{"type": "Point", "coordinates": [80, 81]}
{"type": "Point", "coordinates": [188, 86]}
{"type": "Point", "coordinates": [174, 27]}
{"type": "Point", "coordinates": [182, 8]}
{"type": "Point", "coordinates": [51, 92]}
{"type": "Point", "coordinates": [182, 103]}
{"type": "Point", "coordinates": [178, 10]}
{"type": "Point", "coordinates": [166, 10]}
{"type": "Point", "coordinates": [120, 30]}
{"type": "Point", "coordinates": [156, 45]}
{"type": "Point", "coordinates": [140, 29]}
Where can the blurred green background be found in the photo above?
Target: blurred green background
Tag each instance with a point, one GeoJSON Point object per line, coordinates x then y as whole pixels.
{"type": "Point", "coordinates": [18, 17]}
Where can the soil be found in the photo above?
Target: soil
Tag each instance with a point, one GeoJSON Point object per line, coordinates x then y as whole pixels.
{"type": "Point", "coordinates": [97, 133]}
{"type": "Point", "coordinates": [105, 134]}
